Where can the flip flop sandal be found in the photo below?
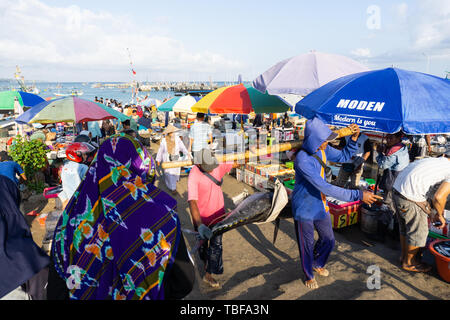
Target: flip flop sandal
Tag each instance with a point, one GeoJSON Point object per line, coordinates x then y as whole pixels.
{"type": "Point", "coordinates": [417, 268]}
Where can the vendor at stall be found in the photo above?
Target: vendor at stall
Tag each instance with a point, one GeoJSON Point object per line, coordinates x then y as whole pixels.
{"type": "Point", "coordinates": [11, 169]}
{"type": "Point", "coordinates": [171, 148]}
{"type": "Point", "coordinates": [309, 207]}
{"type": "Point", "coordinates": [412, 198]}
{"type": "Point", "coordinates": [354, 168]}
{"type": "Point", "coordinates": [392, 157]}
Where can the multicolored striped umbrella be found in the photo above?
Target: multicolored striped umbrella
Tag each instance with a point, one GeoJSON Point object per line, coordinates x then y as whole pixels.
{"type": "Point", "coordinates": [239, 99]}
{"type": "Point", "coordinates": [69, 109]}
{"type": "Point", "coordinates": [25, 99]}
{"type": "Point", "coordinates": [179, 104]}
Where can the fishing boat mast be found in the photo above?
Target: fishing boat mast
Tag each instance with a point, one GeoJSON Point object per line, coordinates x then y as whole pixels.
{"type": "Point", "coordinates": [134, 83]}
{"type": "Point", "coordinates": [21, 80]}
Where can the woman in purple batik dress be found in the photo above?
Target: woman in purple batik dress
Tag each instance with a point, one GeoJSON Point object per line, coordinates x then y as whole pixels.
{"type": "Point", "coordinates": [119, 236]}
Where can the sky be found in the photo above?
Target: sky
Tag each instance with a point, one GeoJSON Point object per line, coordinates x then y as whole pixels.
{"type": "Point", "coordinates": [200, 40]}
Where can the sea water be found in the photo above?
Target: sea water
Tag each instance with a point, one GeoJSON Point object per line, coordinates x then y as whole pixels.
{"type": "Point", "coordinates": [124, 95]}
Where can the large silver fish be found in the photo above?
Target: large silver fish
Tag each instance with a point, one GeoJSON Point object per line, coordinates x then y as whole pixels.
{"type": "Point", "coordinates": [443, 248]}
{"type": "Point", "coordinates": [255, 208]}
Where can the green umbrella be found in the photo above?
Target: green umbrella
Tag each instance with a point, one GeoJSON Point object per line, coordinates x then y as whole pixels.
{"type": "Point", "coordinates": [25, 99]}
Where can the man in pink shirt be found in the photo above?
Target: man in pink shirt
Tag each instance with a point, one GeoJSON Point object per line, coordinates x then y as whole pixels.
{"type": "Point", "coordinates": [207, 207]}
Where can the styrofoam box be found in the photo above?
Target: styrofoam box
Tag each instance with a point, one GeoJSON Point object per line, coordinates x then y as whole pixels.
{"type": "Point", "coordinates": [239, 174]}
{"type": "Point", "coordinates": [249, 177]}
{"type": "Point", "coordinates": [261, 183]}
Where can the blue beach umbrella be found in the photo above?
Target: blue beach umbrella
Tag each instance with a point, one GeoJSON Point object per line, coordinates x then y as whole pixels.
{"type": "Point", "coordinates": [387, 100]}
{"type": "Point", "coordinates": [25, 99]}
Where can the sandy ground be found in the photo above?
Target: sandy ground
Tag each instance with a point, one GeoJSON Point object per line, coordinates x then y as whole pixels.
{"type": "Point", "coordinates": [256, 269]}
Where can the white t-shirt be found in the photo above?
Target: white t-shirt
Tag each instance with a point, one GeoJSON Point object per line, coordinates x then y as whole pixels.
{"type": "Point", "coordinates": [200, 132]}
{"type": "Point", "coordinates": [71, 176]}
{"type": "Point", "coordinates": [416, 179]}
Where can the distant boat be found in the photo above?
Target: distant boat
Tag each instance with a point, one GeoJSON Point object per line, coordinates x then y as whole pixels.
{"type": "Point", "coordinates": [73, 93]}
{"type": "Point", "coordinates": [21, 80]}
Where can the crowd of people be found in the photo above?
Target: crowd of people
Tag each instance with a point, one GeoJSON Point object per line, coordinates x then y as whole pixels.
{"type": "Point", "coordinates": [119, 236]}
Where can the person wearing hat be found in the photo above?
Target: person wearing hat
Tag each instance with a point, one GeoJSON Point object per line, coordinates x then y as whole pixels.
{"type": "Point", "coordinates": [171, 148]}
{"type": "Point", "coordinates": [309, 206]}
{"type": "Point", "coordinates": [421, 191]}
{"type": "Point", "coordinates": [207, 207]}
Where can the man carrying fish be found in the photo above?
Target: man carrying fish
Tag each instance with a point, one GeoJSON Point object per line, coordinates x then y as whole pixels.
{"type": "Point", "coordinates": [309, 207]}
{"type": "Point", "coordinates": [206, 204]}
{"type": "Point", "coordinates": [416, 198]}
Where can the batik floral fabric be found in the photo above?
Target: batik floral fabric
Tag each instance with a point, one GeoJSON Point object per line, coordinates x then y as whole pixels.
{"type": "Point", "coordinates": [119, 233]}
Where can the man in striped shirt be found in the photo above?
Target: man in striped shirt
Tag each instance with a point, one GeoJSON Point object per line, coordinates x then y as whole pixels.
{"type": "Point", "coordinates": [415, 201]}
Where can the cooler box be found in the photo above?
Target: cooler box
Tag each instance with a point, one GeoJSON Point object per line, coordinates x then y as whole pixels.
{"type": "Point", "coordinates": [344, 215]}
{"type": "Point", "coordinates": [261, 182]}
{"type": "Point", "coordinates": [239, 174]}
{"type": "Point", "coordinates": [284, 134]}
{"type": "Point", "coordinates": [249, 177]}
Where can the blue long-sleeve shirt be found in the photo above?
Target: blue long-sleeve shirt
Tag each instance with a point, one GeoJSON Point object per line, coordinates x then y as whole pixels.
{"type": "Point", "coordinates": [396, 161]}
{"type": "Point", "coordinates": [311, 188]}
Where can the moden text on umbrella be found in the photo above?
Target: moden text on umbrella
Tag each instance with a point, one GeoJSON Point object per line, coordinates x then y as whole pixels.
{"type": "Point", "coordinates": [361, 105]}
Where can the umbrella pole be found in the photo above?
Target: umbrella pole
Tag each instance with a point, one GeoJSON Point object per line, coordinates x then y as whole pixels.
{"type": "Point", "coordinates": [378, 171]}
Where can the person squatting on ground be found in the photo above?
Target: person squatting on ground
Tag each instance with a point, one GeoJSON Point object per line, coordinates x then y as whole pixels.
{"type": "Point", "coordinates": [415, 198]}
{"type": "Point", "coordinates": [120, 236]}
{"type": "Point", "coordinates": [309, 207]}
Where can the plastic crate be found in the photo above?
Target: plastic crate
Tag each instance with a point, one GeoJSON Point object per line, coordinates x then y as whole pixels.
{"type": "Point", "coordinates": [344, 215]}
{"type": "Point", "coordinates": [289, 184]}
{"type": "Point", "coordinates": [290, 165]}
{"type": "Point", "coordinates": [52, 192]}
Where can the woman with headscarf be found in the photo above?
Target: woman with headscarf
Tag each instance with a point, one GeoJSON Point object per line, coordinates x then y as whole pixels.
{"type": "Point", "coordinates": [171, 149]}
{"type": "Point", "coordinates": [120, 237]}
